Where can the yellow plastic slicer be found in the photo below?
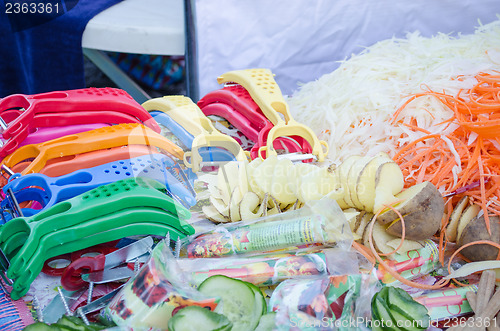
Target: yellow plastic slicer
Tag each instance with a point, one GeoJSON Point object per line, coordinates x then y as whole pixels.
{"type": "Point", "coordinates": [266, 93]}
{"type": "Point", "coordinates": [186, 113]}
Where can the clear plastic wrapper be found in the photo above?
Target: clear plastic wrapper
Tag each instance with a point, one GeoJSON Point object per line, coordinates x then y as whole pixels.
{"type": "Point", "coordinates": [324, 302]}
{"type": "Point", "coordinates": [321, 224]}
{"type": "Point", "coordinates": [150, 298]}
{"type": "Point", "coordinates": [273, 268]}
{"type": "Point", "coordinates": [447, 303]}
{"type": "Point", "coordinates": [411, 264]}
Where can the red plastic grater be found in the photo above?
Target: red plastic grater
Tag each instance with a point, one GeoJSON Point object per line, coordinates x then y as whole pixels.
{"type": "Point", "coordinates": [235, 104]}
{"type": "Point", "coordinates": [88, 100]}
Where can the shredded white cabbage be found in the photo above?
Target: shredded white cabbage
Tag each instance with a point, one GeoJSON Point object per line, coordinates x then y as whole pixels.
{"type": "Point", "coordinates": [351, 107]}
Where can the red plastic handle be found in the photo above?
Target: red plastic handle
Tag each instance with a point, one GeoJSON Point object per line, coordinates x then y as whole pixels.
{"type": "Point", "coordinates": [236, 119]}
{"type": "Point", "coordinates": [237, 97]}
{"type": "Point", "coordinates": [52, 271]}
{"type": "Point", "coordinates": [280, 143]}
{"type": "Point", "coordinates": [71, 278]}
{"type": "Point", "coordinates": [89, 99]}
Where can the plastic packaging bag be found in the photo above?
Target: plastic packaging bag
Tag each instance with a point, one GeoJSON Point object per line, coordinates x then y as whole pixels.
{"type": "Point", "coordinates": [324, 303]}
{"type": "Point", "coordinates": [273, 268]}
{"type": "Point", "coordinates": [150, 298]}
{"type": "Point", "coordinates": [322, 223]}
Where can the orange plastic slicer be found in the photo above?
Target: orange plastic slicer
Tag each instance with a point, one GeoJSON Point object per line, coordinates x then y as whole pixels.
{"type": "Point", "coordinates": [267, 94]}
{"type": "Point", "coordinates": [102, 138]}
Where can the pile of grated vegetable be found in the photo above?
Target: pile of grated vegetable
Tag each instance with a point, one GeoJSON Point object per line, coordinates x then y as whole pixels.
{"type": "Point", "coordinates": [352, 107]}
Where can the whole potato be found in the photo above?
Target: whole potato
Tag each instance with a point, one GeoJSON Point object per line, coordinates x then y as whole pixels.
{"type": "Point", "coordinates": [476, 230]}
{"type": "Point", "coordinates": [422, 208]}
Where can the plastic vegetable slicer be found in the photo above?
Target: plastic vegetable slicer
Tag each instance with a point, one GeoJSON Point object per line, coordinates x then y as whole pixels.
{"type": "Point", "coordinates": [48, 191]}
{"type": "Point", "coordinates": [133, 206]}
{"type": "Point", "coordinates": [102, 138]}
{"type": "Point", "coordinates": [23, 114]}
{"type": "Point", "coordinates": [187, 114]}
{"type": "Point", "coordinates": [267, 94]}
{"type": "Point", "coordinates": [235, 104]}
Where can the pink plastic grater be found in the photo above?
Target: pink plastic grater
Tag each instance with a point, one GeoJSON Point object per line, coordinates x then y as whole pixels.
{"type": "Point", "coordinates": [88, 100]}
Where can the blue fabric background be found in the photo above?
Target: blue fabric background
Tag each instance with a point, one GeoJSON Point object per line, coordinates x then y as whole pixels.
{"type": "Point", "coordinates": [42, 52]}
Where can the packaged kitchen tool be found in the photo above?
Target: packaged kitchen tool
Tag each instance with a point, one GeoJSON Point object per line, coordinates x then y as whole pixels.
{"type": "Point", "coordinates": [447, 303]}
{"type": "Point", "coordinates": [273, 268]}
{"type": "Point", "coordinates": [267, 94]}
{"type": "Point", "coordinates": [185, 112]}
{"type": "Point", "coordinates": [324, 302]}
{"type": "Point", "coordinates": [160, 288]}
{"type": "Point", "coordinates": [411, 264]}
{"type": "Point", "coordinates": [322, 223]}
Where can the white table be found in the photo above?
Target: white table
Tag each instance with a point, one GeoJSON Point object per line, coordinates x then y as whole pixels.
{"type": "Point", "coordinates": [135, 26]}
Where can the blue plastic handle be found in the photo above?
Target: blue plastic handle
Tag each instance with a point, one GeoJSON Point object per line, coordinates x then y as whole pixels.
{"type": "Point", "coordinates": [208, 154]}
{"type": "Point", "coordinates": [50, 190]}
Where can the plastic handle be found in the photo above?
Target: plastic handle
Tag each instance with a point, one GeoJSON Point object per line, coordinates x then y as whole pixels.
{"type": "Point", "coordinates": [181, 133]}
{"type": "Point", "coordinates": [89, 99]}
{"type": "Point", "coordinates": [49, 191]}
{"type": "Point", "coordinates": [107, 137]}
{"type": "Point", "coordinates": [263, 89]}
{"type": "Point", "coordinates": [184, 111]}
{"type": "Point", "coordinates": [240, 100]}
{"type": "Point", "coordinates": [71, 278]}
{"type": "Point", "coordinates": [236, 119]}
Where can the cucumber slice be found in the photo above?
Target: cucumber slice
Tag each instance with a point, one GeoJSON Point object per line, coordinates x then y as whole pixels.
{"type": "Point", "coordinates": [77, 324]}
{"type": "Point", "coordinates": [238, 300]}
{"type": "Point", "coordinates": [39, 326]}
{"type": "Point", "coordinates": [259, 298]}
{"type": "Point", "coordinates": [402, 303]}
{"type": "Point", "coordinates": [403, 322]}
{"type": "Point", "coordinates": [196, 318]}
{"type": "Point", "coordinates": [267, 322]}
{"type": "Point", "coordinates": [385, 318]}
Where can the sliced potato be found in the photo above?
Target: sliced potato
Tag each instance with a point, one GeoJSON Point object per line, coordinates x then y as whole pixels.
{"type": "Point", "coordinates": [234, 205]}
{"type": "Point", "coordinates": [250, 175]}
{"type": "Point", "coordinates": [228, 178]}
{"type": "Point", "coordinates": [365, 185]}
{"type": "Point", "coordinates": [474, 230]}
{"type": "Point", "coordinates": [220, 205]}
{"type": "Point", "coordinates": [342, 172]}
{"type": "Point", "coordinates": [213, 215]}
{"type": "Point", "coordinates": [389, 181]}
{"type": "Point", "coordinates": [317, 184]}
{"type": "Point", "coordinates": [467, 215]}
{"type": "Point", "coordinates": [282, 187]}
{"type": "Point", "coordinates": [380, 239]}
{"type": "Point", "coordinates": [249, 207]}
{"type": "Point", "coordinates": [408, 245]}
{"type": "Point", "coordinates": [263, 174]}
{"type": "Point", "coordinates": [352, 179]}
{"type": "Point", "coordinates": [452, 228]}
{"type": "Point", "coordinates": [365, 220]}
{"type": "Point", "coordinates": [353, 217]}
{"type": "Point", "coordinates": [422, 208]}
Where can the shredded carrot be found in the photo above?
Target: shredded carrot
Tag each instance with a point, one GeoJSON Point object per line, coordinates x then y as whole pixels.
{"type": "Point", "coordinates": [472, 156]}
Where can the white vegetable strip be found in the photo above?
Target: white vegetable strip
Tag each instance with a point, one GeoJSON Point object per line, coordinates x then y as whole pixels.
{"type": "Point", "coordinates": [351, 107]}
